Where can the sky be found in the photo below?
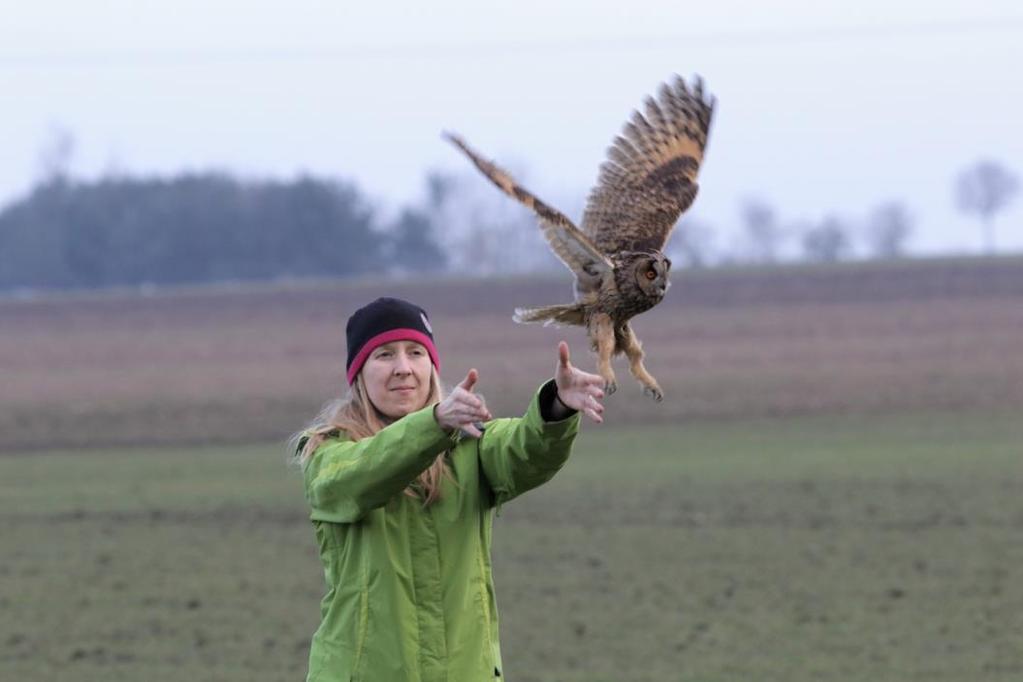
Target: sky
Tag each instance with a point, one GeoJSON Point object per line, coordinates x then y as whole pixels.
{"type": "Point", "coordinates": [824, 108]}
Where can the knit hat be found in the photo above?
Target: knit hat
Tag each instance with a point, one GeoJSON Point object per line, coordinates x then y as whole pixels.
{"type": "Point", "coordinates": [383, 321]}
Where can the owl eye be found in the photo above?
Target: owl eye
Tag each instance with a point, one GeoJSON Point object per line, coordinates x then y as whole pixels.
{"type": "Point", "coordinates": [650, 274]}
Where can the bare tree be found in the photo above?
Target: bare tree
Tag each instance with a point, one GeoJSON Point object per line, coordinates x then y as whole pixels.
{"type": "Point", "coordinates": [985, 189]}
{"type": "Point", "coordinates": [691, 243]}
{"type": "Point", "coordinates": [55, 155]}
{"type": "Point", "coordinates": [483, 232]}
{"type": "Point", "coordinates": [888, 228]}
{"type": "Point", "coordinates": [827, 242]}
{"type": "Point", "coordinates": [439, 186]}
{"type": "Point", "coordinates": [763, 234]}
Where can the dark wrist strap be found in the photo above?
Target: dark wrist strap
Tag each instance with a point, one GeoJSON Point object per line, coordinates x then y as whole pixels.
{"type": "Point", "coordinates": [552, 409]}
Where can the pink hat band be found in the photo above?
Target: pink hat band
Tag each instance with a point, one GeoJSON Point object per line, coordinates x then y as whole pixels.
{"type": "Point", "coordinates": [390, 336]}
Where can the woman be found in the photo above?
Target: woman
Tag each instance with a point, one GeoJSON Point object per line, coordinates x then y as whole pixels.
{"type": "Point", "coordinates": [403, 483]}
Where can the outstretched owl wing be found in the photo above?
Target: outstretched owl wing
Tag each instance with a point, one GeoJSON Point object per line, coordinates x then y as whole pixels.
{"type": "Point", "coordinates": [649, 177]}
{"type": "Point", "coordinates": [566, 240]}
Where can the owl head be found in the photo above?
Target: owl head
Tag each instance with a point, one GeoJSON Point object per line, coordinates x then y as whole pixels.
{"type": "Point", "coordinates": [649, 270]}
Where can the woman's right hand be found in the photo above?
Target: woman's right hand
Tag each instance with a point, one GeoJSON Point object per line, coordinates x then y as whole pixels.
{"type": "Point", "coordinates": [462, 409]}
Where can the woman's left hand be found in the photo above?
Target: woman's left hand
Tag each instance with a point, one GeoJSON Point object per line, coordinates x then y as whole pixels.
{"type": "Point", "coordinates": [579, 390]}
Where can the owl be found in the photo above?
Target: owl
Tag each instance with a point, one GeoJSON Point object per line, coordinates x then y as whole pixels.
{"type": "Point", "coordinates": [647, 181]}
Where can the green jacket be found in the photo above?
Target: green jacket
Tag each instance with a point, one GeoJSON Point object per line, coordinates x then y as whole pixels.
{"type": "Point", "coordinates": [410, 596]}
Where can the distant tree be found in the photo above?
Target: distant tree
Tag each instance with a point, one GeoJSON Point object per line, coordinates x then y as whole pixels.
{"type": "Point", "coordinates": [439, 187]}
{"type": "Point", "coordinates": [763, 234]}
{"type": "Point", "coordinates": [185, 229]}
{"type": "Point", "coordinates": [827, 242]}
{"type": "Point", "coordinates": [691, 243]}
{"type": "Point", "coordinates": [503, 238]}
{"type": "Point", "coordinates": [414, 238]}
{"type": "Point", "coordinates": [888, 228]}
{"type": "Point", "coordinates": [985, 189]}
{"type": "Point", "coordinates": [32, 239]}
{"type": "Point", "coordinates": [483, 231]}
{"type": "Point", "coordinates": [306, 227]}
{"type": "Point", "coordinates": [56, 154]}
{"type": "Point", "coordinates": [413, 247]}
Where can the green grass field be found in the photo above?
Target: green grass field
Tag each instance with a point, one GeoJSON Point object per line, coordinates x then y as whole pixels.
{"type": "Point", "coordinates": [809, 548]}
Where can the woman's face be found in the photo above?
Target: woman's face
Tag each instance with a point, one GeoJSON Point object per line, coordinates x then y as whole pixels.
{"type": "Point", "coordinates": [397, 378]}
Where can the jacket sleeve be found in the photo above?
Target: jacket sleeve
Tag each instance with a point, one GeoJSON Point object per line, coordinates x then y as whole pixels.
{"type": "Point", "coordinates": [345, 479]}
{"type": "Point", "coordinates": [517, 455]}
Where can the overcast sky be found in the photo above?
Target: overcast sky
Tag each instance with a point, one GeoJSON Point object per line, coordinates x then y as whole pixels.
{"type": "Point", "coordinates": [823, 107]}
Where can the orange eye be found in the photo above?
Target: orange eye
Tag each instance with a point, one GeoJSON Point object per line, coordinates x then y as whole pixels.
{"type": "Point", "coordinates": [650, 274]}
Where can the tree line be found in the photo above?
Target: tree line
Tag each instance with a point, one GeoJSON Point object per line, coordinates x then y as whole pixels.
{"type": "Point", "coordinates": [202, 228]}
{"type": "Point", "coordinates": [983, 190]}
{"type": "Point", "coordinates": [197, 228]}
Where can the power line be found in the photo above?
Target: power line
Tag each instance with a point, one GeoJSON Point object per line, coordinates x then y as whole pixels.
{"type": "Point", "coordinates": [715, 39]}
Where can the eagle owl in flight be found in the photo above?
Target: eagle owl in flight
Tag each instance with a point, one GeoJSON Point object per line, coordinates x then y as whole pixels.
{"type": "Point", "coordinates": [647, 181]}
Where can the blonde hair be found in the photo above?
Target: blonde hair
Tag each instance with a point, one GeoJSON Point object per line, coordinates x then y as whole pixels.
{"type": "Point", "coordinates": [358, 418]}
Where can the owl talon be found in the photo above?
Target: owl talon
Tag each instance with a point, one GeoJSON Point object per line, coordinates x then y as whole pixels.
{"type": "Point", "coordinates": [654, 392]}
{"type": "Point", "coordinates": [610, 387]}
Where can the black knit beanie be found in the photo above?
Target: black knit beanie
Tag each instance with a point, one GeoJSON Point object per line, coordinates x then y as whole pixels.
{"type": "Point", "coordinates": [383, 321]}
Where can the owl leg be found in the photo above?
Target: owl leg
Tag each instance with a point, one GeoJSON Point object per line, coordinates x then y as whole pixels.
{"type": "Point", "coordinates": [602, 335]}
{"type": "Point", "coordinates": [634, 351]}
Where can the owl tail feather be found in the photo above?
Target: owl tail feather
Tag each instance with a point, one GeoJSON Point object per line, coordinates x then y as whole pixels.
{"type": "Point", "coordinates": [569, 313]}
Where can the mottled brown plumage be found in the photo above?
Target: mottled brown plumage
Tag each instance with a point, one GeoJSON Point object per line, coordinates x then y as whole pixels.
{"type": "Point", "coordinates": [646, 183]}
